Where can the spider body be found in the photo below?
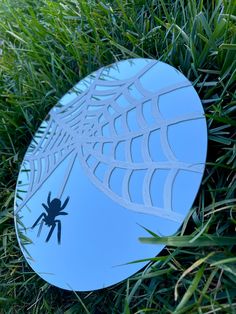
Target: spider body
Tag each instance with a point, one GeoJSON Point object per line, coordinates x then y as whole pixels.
{"type": "Point", "coordinates": [53, 209]}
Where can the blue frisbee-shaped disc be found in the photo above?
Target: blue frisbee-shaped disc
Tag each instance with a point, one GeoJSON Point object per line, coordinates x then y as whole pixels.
{"type": "Point", "coordinates": [123, 150]}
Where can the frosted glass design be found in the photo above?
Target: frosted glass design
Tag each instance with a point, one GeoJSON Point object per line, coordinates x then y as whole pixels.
{"type": "Point", "coordinates": [127, 147]}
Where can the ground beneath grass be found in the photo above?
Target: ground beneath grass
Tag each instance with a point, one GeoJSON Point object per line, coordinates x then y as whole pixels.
{"type": "Point", "coordinates": [45, 48]}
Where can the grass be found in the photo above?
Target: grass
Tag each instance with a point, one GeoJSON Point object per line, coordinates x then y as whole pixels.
{"type": "Point", "coordinates": [48, 46]}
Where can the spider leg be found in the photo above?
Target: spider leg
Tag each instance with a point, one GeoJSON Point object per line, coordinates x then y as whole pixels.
{"type": "Point", "coordinates": [39, 218]}
{"type": "Point", "coordinates": [45, 206]}
{"type": "Point", "coordinates": [65, 203]}
{"type": "Point", "coordinates": [50, 232]}
{"type": "Point", "coordinates": [49, 198]}
{"type": "Point", "coordinates": [62, 213]}
{"type": "Point", "coordinates": [58, 231]}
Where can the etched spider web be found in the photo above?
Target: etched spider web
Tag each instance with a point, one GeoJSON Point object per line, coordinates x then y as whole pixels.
{"type": "Point", "coordinates": [97, 118]}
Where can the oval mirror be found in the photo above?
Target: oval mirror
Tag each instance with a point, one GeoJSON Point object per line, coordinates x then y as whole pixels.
{"type": "Point", "coordinates": [123, 150]}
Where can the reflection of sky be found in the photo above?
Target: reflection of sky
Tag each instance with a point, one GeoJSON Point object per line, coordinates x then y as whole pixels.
{"type": "Point", "coordinates": [97, 233]}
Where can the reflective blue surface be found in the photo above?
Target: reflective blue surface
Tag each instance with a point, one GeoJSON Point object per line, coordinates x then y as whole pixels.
{"type": "Point", "coordinates": [125, 148]}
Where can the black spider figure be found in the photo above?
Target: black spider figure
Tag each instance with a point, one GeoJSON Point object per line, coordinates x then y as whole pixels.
{"type": "Point", "coordinates": [53, 209]}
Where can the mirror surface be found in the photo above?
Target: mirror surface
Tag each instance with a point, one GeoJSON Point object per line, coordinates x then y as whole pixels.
{"type": "Point", "coordinates": [122, 151]}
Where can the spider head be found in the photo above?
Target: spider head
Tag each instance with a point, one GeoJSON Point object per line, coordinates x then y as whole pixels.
{"type": "Point", "coordinates": [55, 203]}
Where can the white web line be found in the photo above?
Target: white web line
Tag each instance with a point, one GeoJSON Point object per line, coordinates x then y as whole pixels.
{"type": "Point", "coordinates": [77, 130]}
